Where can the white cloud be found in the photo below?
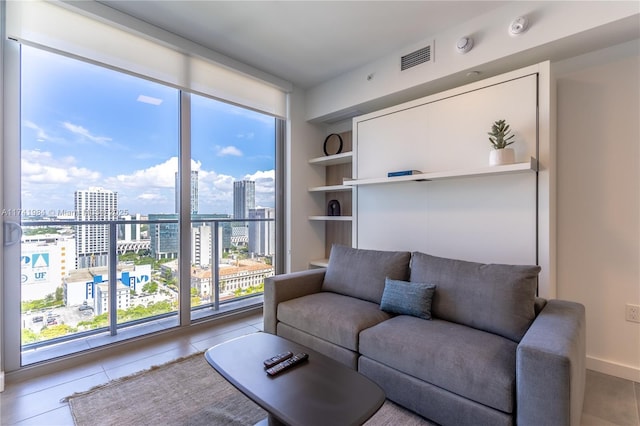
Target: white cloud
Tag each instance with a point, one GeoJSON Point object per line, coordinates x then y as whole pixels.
{"type": "Point", "coordinates": [150, 197]}
{"type": "Point", "coordinates": [215, 189]}
{"type": "Point", "coordinates": [81, 131]}
{"type": "Point", "coordinates": [49, 182]}
{"type": "Point", "coordinates": [158, 176]}
{"type": "Point", "coordinates": [41, 167]}
{"type": "Point", "coordinates": [248, 135]}
{"type": "Point", "coordinates": [149, 100]}
{"type": "Point", "coordinates": [263, 178]}
{"type": "Point", "coordinates": [229, 150]}
{"type": "Point", "coordinates": [41, 135]}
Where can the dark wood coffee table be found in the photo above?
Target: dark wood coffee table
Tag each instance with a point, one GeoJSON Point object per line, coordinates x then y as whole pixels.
{"type": "Point", "coordinates": [319, 391]}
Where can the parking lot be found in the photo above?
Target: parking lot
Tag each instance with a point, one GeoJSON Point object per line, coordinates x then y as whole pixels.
{"type": "Point", "coordinates": [69, 315]}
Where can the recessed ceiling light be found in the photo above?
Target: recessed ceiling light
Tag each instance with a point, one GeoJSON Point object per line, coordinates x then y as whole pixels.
{"type": "Point", "coordinates": [149, 100]}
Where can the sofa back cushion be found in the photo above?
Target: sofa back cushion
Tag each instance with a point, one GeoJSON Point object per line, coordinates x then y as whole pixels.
{"type": "Point", "coordinates": [361, 273]}
{"type": "Point", "coordinates": [492, 297]}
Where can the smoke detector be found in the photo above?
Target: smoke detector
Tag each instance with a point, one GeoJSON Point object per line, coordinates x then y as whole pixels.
{"type": "Point", "coordinates": [464, 45]}
{"type": "Point", "coordinates": [518, 26]}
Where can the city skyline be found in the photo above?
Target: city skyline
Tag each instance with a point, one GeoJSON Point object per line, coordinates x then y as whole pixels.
{"type": "Point", "coordinates": [87, 126]}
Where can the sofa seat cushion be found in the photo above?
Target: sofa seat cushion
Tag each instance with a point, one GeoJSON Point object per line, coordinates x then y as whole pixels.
{"type": "Point", "coordinates": [333, 317]}
{"type": "Point", "coordinates": [471, 363]}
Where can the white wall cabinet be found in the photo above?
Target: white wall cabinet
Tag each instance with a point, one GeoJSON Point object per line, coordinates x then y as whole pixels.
{"type": "Point", "coordinates": [459, 206]}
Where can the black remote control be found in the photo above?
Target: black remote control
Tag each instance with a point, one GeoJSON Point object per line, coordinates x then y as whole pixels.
{"type": "Point", "coordinates": [268, 363]}
{"type": "Point", "coordinates": [297, 358]}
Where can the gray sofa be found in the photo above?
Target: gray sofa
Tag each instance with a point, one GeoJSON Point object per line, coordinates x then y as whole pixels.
{"type": "Point", "coordinates": [457, 342]}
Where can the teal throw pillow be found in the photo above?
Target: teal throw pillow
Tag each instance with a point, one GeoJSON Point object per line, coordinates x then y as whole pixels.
{"type": "Point", "coordinates": [407, 298]}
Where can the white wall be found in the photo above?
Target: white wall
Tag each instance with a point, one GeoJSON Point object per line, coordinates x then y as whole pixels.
{"type": "Point", "coordinates": [555, 28]}
{"type": "Point", "coordinates": [489, 219]}
{"type": "Point", "coordinates": [598, 200]}
{"type": "Point", "coordinates": [304, 239]}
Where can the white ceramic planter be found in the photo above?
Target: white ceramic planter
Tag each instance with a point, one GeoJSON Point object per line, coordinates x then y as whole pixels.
{"type": "Point", "coordinates": [502, 156]}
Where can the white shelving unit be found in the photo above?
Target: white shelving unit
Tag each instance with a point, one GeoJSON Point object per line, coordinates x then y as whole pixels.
{"type": "Point", "coordinates": [320, 263]}
{"type": "Point", "coordinates": [330, 188]}
{"type": "Point", "coordinates": [531, 165]}
{"type": "Point", "coordinates": [337, 228]}
{"type": "Point", "coordinates": [329, 218]}
{"type": "Point", "coordinates": [332, 160]}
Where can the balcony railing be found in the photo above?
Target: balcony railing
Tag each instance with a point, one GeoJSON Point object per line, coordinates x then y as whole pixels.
{"type": "Point", "coordinates": [223, 253]}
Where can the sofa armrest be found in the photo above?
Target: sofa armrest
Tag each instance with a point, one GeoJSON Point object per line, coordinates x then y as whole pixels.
{"type": "Point", "coordinates": [550, 366]}
{"type": "Point", "coordinates": [280, 288]}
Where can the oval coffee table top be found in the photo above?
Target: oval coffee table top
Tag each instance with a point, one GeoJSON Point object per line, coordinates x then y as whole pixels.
{"type": "Point", "coordinates": [319, 391]}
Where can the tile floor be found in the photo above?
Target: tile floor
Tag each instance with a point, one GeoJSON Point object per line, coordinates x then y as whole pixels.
{"type": "Point", "coordinates": [36, 401]}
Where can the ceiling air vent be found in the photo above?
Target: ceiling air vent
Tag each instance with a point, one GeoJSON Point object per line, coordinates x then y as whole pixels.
{"type": "Point", "coordinates": [418, 57]}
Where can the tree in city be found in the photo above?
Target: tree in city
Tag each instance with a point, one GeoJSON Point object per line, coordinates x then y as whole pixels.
{"type": "Point", "coordinates": [249, 290]}
{"type": "Point", "coordinates": [150, 287]}
{"type": "Point", "coordinates": [51, 300]}
{"type": "Point", "coordinates": [98, 321]}
{"type": "Point", "coordinates": [29, 336]}
{"type": "Point", "coordinates": [57, 330]}
{"type": "Point", "coordinates": [40, 231]}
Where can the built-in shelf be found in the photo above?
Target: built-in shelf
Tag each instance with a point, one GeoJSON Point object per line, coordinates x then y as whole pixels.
{"type": "Point", "coordinates": [337, 229]}
{"type": "Point", "coordinates": [531, 165]}
{"type": "Point", "coordinates": [334, 218]}
{"type": "Point", "coordinates": [331, 188]}
{"type": "Point", "coordinates": [332, 160]}
{"type": "Point", "coordinates": [321, 263]}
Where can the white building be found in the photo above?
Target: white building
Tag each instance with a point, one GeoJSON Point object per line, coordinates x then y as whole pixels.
{"type": "Point", "coordinates": [101, 300]}
{"type": "Point", "coordinates": [92, 241]}
{"type": "Point", "coordinates": [45, 261]}
{"type": "Point", "coordinates": [240, 276]}
{"type": "Point", "coordinates": [90, 285]}
{"type": "Point", "coordinates": [130, 231]}
{"type": "Point", "coordinates": [201, 245]}
{"type": "Point", "coordinates": [262, 235]}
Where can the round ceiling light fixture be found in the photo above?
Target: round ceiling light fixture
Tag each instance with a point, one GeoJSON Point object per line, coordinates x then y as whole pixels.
{"type": "Point", "coordinates": [464, 45]}
{"type": "Point", "coordinates": [518, 26]}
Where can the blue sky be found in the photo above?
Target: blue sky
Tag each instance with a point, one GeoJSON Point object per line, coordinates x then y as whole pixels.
{"type": "Point", "coordinates": [87, 126]}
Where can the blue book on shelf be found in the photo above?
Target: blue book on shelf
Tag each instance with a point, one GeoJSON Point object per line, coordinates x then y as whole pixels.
{"type": "Point", "coordinates": [403, 173]}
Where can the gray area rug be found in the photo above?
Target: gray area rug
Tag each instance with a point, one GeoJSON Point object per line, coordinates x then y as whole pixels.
{"type": "Point", "coordinates": [186, 392]}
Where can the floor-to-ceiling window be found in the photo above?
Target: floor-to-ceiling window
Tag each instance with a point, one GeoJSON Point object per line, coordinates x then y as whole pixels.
{"type": "Point", "coordinates": [139, 180]}
{"type": "Point", "coordinates": [99, 152]}
{"type": "Point", "coordinates": [102, 251]}
{"type": "Point", "coordinates": [232, 178]}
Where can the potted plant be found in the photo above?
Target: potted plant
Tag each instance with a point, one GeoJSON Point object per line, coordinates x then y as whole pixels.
{"type": "Point", "coordinates": [500, 137]}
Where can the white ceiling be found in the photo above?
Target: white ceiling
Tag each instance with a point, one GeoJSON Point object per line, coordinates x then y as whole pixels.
{"type": "Point", "coordinates": [304, 42]}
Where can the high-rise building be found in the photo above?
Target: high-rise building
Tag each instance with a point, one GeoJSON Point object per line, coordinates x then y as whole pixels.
{"type": "Point", "coordinates": [130, 231]}
{"type": "Point", "coordinates": [165, 237]}
{"type": "Point", "coordinates": [244, 198]}
{"type": "Point", "coordinates": [262, 235]}
{"type": "Point", "coordinates": [194, 192]}
{"type": "Point", "coordinates": [92, 241]}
